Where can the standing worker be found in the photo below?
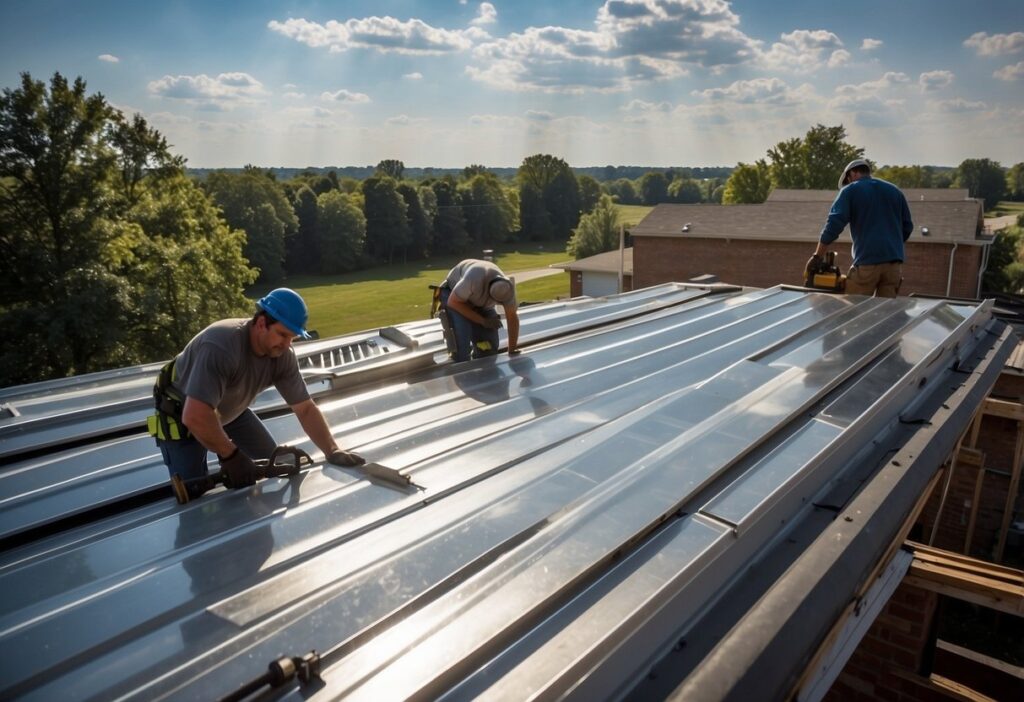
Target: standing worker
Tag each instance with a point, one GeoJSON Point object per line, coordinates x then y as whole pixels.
{"type": "Point", "coordinates": [203, 395]}
{"type": "Point", "coordinates": [879, 220]}
{"type": "Point", "coordinates": [469, 294]}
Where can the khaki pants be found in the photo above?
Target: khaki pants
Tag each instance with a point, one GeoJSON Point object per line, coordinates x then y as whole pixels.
{"type": "Point", "coordinates": [882, 279]}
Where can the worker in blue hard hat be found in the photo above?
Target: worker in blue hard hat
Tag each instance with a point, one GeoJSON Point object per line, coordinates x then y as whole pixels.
{"type": "Point", "coordinates": [203, 395]}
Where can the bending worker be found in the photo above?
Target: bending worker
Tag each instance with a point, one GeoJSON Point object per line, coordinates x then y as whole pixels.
{"type": "Point", "coordinates": [879, 220]}
{"type": "Point", "coordinates": [469, 294]}
{"type": "Point", "coordinates": [203, 395]}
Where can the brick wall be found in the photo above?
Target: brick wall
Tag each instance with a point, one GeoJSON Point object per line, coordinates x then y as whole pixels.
{"type": "Point", "coordinates": [766, 263]}
{"type": "Point", "coordinates": [884, 666]}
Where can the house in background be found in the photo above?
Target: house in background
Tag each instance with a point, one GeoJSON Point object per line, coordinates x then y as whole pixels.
{"type": "Point", "coordinates": [768, 244]}
{"type": "Point", "coordinates": [597, 276]}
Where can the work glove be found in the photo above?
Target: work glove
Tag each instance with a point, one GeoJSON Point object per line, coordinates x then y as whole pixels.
{"type": "Point", "coordinates": [813, 263]}
{"type": "Point", "coordinates": [238, 469]}
{"type": "Point", "coordinates": [491, 322]}
{"type": "Point", "coordinates": [346, 459]}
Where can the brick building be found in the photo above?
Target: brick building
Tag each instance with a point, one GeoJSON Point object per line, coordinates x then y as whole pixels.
{"type": "Point", "coordinates": [768, 244]}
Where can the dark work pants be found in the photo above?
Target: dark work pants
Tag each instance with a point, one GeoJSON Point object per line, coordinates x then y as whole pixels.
{"type": "Point", "coordinates": [187, 457]}
{"type": "Point", "coordinates": [469, 335]}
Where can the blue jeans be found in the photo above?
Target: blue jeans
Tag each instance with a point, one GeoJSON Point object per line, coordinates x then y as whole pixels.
{"type": "Point", "coordinates": [469, 335]}
{"type": "Point", "coordinates": [187, 457]}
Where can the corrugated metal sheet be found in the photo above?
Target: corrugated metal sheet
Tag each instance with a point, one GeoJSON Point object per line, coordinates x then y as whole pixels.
{"type": "Point", "coordinates": [585, 504]}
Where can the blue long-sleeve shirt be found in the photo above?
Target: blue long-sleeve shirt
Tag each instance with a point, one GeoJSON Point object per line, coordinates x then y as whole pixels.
{"type": "Point", "coordinates": [879, 220]}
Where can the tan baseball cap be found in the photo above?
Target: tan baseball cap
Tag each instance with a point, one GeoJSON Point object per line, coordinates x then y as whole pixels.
{"type": "Point", "coordinates": [849, 167]}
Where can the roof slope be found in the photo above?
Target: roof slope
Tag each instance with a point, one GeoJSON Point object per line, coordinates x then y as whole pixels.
{"type": "Point", "coordinates": [912, 194]}
{"type": "Point", "coordinates": [584, 507]}
{"type": "Point", "coordinates": [947, 221]}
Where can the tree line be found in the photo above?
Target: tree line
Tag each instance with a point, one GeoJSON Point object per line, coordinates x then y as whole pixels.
{"type": "Point", "coordinates": [111, 254]}
{"type": "Point", "coordinates": [814, 161]}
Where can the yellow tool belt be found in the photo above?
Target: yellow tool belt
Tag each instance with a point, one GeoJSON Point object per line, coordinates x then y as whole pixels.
{"type": "Point", "coordinates": [166, 424]}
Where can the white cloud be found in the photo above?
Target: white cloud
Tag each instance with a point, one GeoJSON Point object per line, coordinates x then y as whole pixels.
{"type": "Point", "coordinates": [873, 87]}
{"type": "Point", "coordinates": [995, 44]}
{"type": "Point", "coordinates": [109, 58]}
{"type": "Point", "coordinates": [385, 34]}
{"type": "Point", "coordinates": [415, 75]}
{"type": "Point", "coordinates": [643, 107]}
{"type": "Point", "coordinates": [762, 91]}
{"type": "Point", "coordinates": [802, 51]}
{"type": "Point", "coordinates": [221, 92]}
{"type": "Point", "coordinates": [344, 96]}
{"type": "Point", "coordinates": [935, 80]}
{"type": "Point", "coordinates": [404, 121]}
{"type": "Point", "coordinates": [635, 41]}
{"type": "Point", "coordinates": [870, 44]}
{"type": "Point", "coordinates": [956, 105]}
{"type": "Point", "coordinates": [488, 15]}
{"type": "Point", "coordinates": [1011, 72]}
{"type": "Point", "coordinates": [292, 95]}
{"type": "Point", "coordinates": [839, 57]}
{"type": "Point", "coordinates": [539, 116]}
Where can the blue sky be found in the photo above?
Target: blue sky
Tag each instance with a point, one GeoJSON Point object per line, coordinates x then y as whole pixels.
{"type": "Point", "coordinates": [625, 82]}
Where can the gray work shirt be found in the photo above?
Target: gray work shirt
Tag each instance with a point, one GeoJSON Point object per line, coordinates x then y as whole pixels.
{"type": "Point", "coordinates": [471, 279]}
{"type": "Point", "coordinates": [220, 368]}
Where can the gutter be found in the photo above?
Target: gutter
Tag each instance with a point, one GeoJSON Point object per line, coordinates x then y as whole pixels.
{"type": "Point", "coordinates": [985, 251]}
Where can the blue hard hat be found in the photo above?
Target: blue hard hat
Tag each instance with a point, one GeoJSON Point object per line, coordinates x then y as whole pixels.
{"type": "Point", "coordinates": [287, 307]}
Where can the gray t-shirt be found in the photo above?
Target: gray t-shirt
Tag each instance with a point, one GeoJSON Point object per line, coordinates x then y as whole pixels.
{"type": "Point", "coordinates": [220, 368]}
{"type": "Point", "coordinates": [470, 280]}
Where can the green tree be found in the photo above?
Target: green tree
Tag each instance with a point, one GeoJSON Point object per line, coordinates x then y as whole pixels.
{"type": "Point", "coordinates": [56, 192]}
{"type": "Point", "coordinates": [685, 191]}
{"type": "Point", "coordinates": [140, 151]}
{"type": "Point", "coordinates": [387, 230]}
{"type": "Point", "coordinates": [1003, 271]}
{"type": "Point", "coordinates": [254, 202]}
{"type": "Point", "coordinates": [184, 265]}
{"type": "Point", "coordinates": [301, 251]}
{"type": "Point", "coordinates": [590, 193]}
{"type": "Point", "coordinates": [450, 236]}
{"type": "Point", "coordinates": [814, 162]}
{"type": "Point", "coordinates": [1015, 182]}
{"type": "Point", "coordinates": [749, 183]}
{"type": "Point", "coordinates": [984, 179]}
{"type": "Point", "coordinates": [108, 253]}
{"type": "Point", "coordinates": [653, 188]}
{"type": "Point", "coordinates": [597, 232]}
{"type": "Point", "coordinates": [341, 232]}
{"type": "Point", "coordinates": [473, 169]}
{"type": "Point", "coordinates": [559, 192]}
{"type": "Point", "coordinates": [490, 217]}
{"type": "Point", "coordinates": [420, 225]}
{"type": "Point", "coordinates": [906, 176]}
{"type": "Point", "coordinates": [391, 167]}
{"type": "Point", "coordinates": [623, 191]}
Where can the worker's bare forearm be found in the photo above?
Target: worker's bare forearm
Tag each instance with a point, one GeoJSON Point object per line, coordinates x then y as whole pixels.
{"type": "Point", "coordinates": [202, 420]}
{"type": "Point", "coordinates": [512, 319]}
{"type": "Point", "coordinates": [821, 249]}
{"type": "Point", "coordinates": [316, 426]}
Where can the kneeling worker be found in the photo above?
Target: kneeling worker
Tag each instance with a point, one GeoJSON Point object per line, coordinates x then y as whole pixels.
{"type": "Point", "coordinates": [469, 294]}
{"type": "Point", "coordinates": [203, 395]}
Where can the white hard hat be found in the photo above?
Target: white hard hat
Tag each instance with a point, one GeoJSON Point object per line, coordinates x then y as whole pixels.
{"type": "Point", "coordinates": [857, 162]}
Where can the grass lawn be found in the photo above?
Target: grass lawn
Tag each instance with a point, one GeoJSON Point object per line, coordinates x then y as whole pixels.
{"type": "Point", "coordinates": [387, 295]}
{"type": "Point", "coordinates": [1006, 207]}
{"type": "Point", "coordinates": [632, 214]}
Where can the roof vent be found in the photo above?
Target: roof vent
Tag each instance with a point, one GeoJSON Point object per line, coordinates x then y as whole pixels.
{"type": "Point", "coordinates": [925, 231]}
{"type": "Point", "coordinates": [686, 227]}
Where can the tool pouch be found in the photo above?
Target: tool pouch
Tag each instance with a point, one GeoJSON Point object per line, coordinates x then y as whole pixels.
{"type": "Point", "coordinates": [166, 424]}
